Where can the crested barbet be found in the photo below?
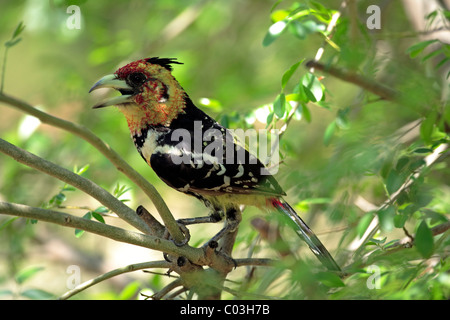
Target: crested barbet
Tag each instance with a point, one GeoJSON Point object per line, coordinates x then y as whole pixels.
{"type": "Point", "coordinates": [165, 126]}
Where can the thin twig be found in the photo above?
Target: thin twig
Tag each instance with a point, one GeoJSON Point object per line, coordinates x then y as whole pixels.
{"type": "Point", "coordinates": [164, 291]}
{"type": "Point", "coordinates": [130, 268]}
{"type": "Point", "coordinates": [254, 262]}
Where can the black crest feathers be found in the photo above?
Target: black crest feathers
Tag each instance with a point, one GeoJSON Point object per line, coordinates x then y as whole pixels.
{"type": "Point", "coordinates": [163, 62]}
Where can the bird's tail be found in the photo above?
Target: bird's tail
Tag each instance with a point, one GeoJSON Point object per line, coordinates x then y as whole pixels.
{"type": "Point", "coordinates": [307, 235]}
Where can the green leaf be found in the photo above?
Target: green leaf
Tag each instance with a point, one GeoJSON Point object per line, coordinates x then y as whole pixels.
{"type": "Point", "coordinates": [279, 106]}
{"type": "Point", "coordinates": [431, 55]}
{"type": "Point", "coordinates": [212, 104]}
{"type": "Point", "coordinates": [423, 240]}
{"type": "Point", "coordinates": [423, 150]}
{"type": "Point", "coordinates": [68, 188]}
{"type": "Point", "coordinates": [330, 279]}
{"type": "Point", "coordinates": [37, 294]}
{"type": "Point", "coordinates": [319, 7]}
{"type": "Point", "coordinates": [79, 232]}
{"type": "Point", "coordinates": [270, 118]}
{"type": "Point", "coordinates": [442, 62]}
{"type": "Point", "coordinates": [364, 223]}
{"type": "Point", "coordinates": [416, 165]}
{"type": "Point", "coordinates": [378, 241]}
{"type": "Point", "coordinates": [6, 292]}
{"type": "Point", "coordinates": [305, 113]}
{"type": "Point", "coordinates": [302, 95]}
{"type": "Point", "coordinates": [400, 220]}
{"type": "Point", "coordinates": [288, 74]}
{"type": "Point", "coordinates": [129, 291]}
{"type": "Point", "coordinates": [301, 29]}
{"type": "Point", "coordinates": [7, 222]}
{"type": "Point", "coordinates": [20, 27]}
{"type": "Point", "coordinates": [25, 274]}
{"type": "Point", "coordinates": [342, 119]}
{"type": "Point", "coordinates": [274, 32]}
{"type": "Point", "coordinates": [81, 170]}
{"type": "Point", "coordinates": [386, 217]}
{"type": "Point", "coordinates": [417, 48]}
{"type": "Point", "coordinates": [12, 42]}
{"type": "Point", "coordinates": [394, 181]}
{"type": "Point", "coordinates": [305, 204]}
{"type": "Point", "coordinates": [59, 199]}
{"type": "Point", "coordinates": [427, 126]}
{"type": "Point", "coordinates": [329, 132]}
{"type": "Point", "coordinates": [275, 5]}
{"type": "Point", "coordinates": [101, 210]}
{"type": "Point", "coordinates": [313, 87]}
{"type": "Point", "coordinates": [98, 217]}
{"type": "Point", "coordinates": [401, 163]}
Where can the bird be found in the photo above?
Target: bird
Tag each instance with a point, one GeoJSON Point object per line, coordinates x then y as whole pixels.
{"type": "Point", "coordinates": [193, 153]}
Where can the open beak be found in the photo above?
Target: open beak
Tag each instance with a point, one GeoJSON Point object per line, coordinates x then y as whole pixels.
{"type": "Point", "coordinates": [111, 81]}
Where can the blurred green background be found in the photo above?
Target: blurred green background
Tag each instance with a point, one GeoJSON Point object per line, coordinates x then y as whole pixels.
{"type": "Point", "coordinates": [221, 46]}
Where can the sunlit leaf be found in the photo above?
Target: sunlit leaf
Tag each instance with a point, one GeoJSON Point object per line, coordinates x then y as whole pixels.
{"type": "Point", "coordinates": [212, 104]}
{"type": "Point", "coordinates": [81, 170]}
{"type": "Point", "coordinates": [313, 87]}
{"type": "Point", "coordinates": [274, 32]}
{"type": "Point", "coordinates": [288, 74]}
{"type": "Point", "coordinates": [130, 291]}
{"type": "Point", "coordinates": [279, 106]}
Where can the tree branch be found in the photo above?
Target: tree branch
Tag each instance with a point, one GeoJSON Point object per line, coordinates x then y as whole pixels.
{"type": "Point", "coordinates": [67, 220]}
{"type": "Point", "coordinates": [79, 182]}
{"type": "Point", "coordinates": [109, 153]}
{"type": "Point", "coordinates": [115, 233]}
{"type": "Point", "coordinates": [363, 82]}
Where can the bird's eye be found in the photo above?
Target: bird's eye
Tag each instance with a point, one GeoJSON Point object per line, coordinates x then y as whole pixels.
{"type": "Point", "coordinates": [136, 79]}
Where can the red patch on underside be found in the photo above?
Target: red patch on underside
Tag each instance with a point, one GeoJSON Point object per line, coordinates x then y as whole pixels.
{"type": "Point", "coordinates": [275, 202]}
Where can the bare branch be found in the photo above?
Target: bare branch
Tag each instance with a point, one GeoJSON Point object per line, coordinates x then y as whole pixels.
{"type": "Point", "coordinates": [115, 233]}
{"type": "Point", "coordinates": [130, 268]}
{"type": "Point", "coordinates": [75, 180]}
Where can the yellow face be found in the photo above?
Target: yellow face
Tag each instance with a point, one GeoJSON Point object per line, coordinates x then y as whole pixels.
{"type": "Point", "coordinates": [150, 94]}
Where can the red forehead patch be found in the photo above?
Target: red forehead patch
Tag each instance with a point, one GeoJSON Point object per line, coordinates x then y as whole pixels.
{"type": "Point", "coordinates": [139, 65]}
